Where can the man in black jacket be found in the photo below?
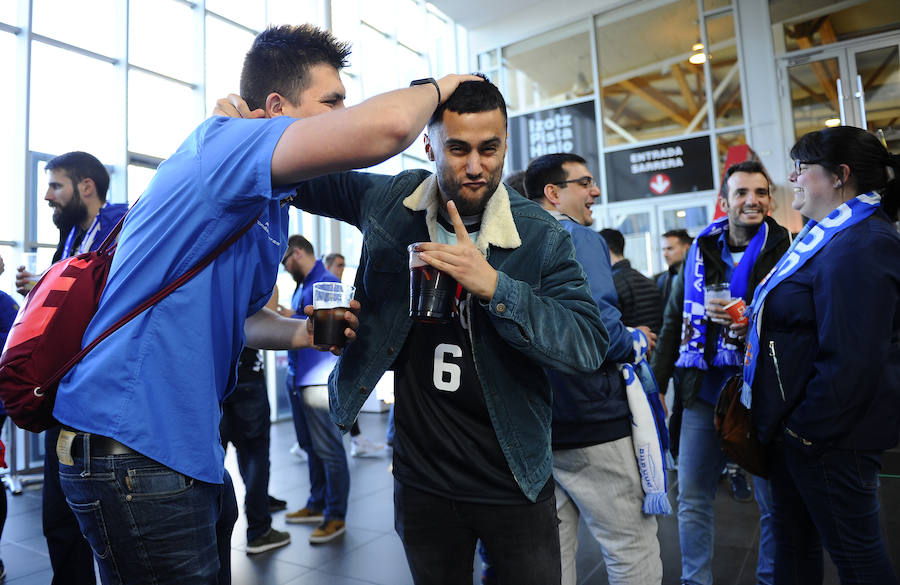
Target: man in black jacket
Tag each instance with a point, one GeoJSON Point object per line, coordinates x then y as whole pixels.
{"type": "Point", "coordinates": [740, 250]}
{"type": "Point", "coordinates": [639, 299]}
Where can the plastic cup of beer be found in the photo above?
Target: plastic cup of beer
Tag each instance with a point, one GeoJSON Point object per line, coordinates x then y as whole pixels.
{"type": "Point", "coordinates": [431, 292]}
{"type": "Point", "coordinates": [331, 300]}
{"type": "Point", "coordinates": [719, 290]}
{"type": "Point", "coordinates": [30, 261]}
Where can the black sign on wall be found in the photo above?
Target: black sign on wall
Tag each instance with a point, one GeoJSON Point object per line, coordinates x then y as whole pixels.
{"type": "Point", "coordinates": [682, 166]}
{"type": "Point", "coordinates": [570, 128]}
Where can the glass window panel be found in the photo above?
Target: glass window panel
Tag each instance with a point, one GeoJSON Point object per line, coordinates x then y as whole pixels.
{"type": "Point", "coordinates": [8, 121]}
{"type": "Point", "coordinates": [551, 68]}
{"type": "Point", "coordinates": [801, 24]}
{"type": "Point", "coordinates": [295, 12]}
{"type": "Point", "coordinates": [80, 124]}
{"type": "Point", "coordinates": [814, 99]}
{"type": "Point", "coordinates": [377, 51]}
{"type": "Point", "coordinates": [9, 12]}
{"type": "Point", "coordinates": [226, 47]}
{"type": "Point", "coordinates": [354, 89]}
{"type": "Point", "coordinates": [346, 27]}
{"type": "Point", "coordinates": [47, 232]}
{"type": "Point", "coordinates": [138, 179]}
{"type": "Point", "coordinates": [723, 67]}
{"type": "Point", "coordinates": [636, 229]}
{"type": "Point", "coordinates": [351, 248]}
{"type": "Point", "coordinates": [381, 15]}
{"type": "Point", "coordinates": [690, 218]}
{"type": "Point", "coordinates": [83, 24]}
{"type": "Point", "coordinates": [650, 89]}
{"type": "Point", "coordinates": [146, 133]}
{"type": "Point", "coordinates": [879, 74]}
{"type": "Point", "coordinates": [175, 56]}
{"type": "Point", "coordinates": [250, 13]}
{"type": "Point", "coordinates": [10, 256]}
{"type": "Point", "coordinates": [487, 60]}
{"type": "Point", "coordinates": [714, 4]}
{"type": "Point", "coordinates": [410, 20]}
{"type": "Point", "coordinates": [408, 65]}
{"type": "Point", "coordinates": [443, 46]}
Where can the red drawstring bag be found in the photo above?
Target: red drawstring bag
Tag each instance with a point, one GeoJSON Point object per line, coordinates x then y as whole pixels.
{"type": "Point", "coordinates": [45, 340]}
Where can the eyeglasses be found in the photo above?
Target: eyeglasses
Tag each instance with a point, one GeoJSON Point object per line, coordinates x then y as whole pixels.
{"type": "Point", "coordinates": [797, 164]}
{"type": "Point", "coordinates": [586, 182]}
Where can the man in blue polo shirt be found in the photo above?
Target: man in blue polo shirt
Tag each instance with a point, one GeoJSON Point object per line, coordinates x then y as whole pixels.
{"type": "Point", "coordinates": [144, 405]}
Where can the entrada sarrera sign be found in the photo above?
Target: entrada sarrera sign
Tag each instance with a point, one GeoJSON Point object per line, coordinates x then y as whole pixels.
{"type": "Point", "coordinates": [669, 168]}
{"type": "Point", "coordinates": [571, 128]}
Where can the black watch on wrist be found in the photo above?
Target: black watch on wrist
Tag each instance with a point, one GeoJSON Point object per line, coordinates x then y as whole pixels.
{"type": "Point", "coordinates": [426, 81]}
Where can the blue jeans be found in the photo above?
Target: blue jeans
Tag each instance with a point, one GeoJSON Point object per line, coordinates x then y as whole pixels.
{"type": "Point", "coordinates": [245, 422]}
{"type": "Point", "coordinates": [329, 476]}
{"type": "Point", "coordinates": [70, 554]}
{"type": "Point", "coordinates": [829, 500]}
{"type": "Point", "coordinates": [439, 537]}
{"type": "Point", "coordinates": [148, 524]}
{"type": "Point", "coordinates": [700, 463]}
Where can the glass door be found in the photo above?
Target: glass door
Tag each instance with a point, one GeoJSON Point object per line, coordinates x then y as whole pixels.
{"type": "Point", "coordinates": [875, 73]}
{"type": "Point", "coordinates": [855, 85]}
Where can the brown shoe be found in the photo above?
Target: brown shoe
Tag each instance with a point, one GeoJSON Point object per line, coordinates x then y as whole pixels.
{"type": "Point", "coordinates": [304, 516]}
{"type": "Point", "coordinates": [327, 531]}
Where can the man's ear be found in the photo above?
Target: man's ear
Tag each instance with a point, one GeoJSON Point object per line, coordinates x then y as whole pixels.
{"type": "Point", "coordinates": [551, 193]}
{"type": "Point", "coordinates": [723, 203]}
{"type": "Point", "coordinates": [275, 105]}
{"type": "Point", "coordinates": [429, 151]}
{"type": "Point", "coordinates": [87, 188]}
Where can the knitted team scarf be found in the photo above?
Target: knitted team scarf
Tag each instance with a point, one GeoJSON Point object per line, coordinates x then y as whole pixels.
{"type": "Point", "coordinates": [693, 328]}
{"type": "Point", "coordinates": [648, 427]}
{"type": "Point", "coordinates": [812, 238]}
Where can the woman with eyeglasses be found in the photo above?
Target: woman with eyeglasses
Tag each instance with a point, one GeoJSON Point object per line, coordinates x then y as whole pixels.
{"type": "Point", "coordinates": [822, 368]}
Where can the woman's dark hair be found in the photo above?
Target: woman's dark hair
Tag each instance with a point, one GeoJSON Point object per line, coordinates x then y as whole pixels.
{"type": "Point", "coordinates": [867, 158]}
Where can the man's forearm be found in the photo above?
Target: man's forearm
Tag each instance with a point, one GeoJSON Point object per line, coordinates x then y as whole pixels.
{"type": "Point", "coordinates": [268, 330]}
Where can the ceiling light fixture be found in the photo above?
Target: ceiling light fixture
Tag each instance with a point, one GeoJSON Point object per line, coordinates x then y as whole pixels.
{"type": "Point", "coordinates": [832, 122]}
{"type": "Point", "coordinates": [698, 57]}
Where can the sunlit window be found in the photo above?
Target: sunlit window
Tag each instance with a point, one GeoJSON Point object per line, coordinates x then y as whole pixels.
{"type": "Point", "coordinates": [250, 13]}
{"type": "Point", "coordinates": [73, 105]}
{"type": "Point", "coordinates": [89, 25]}
{"type": "Point", "coordinates": [152, 129]}
{"type": "Point", "coordinates": [226, 47]}
{"type": "Point", "coordinates": [174, 56]}
{"type": "Point", "coordinates": [7, 138]}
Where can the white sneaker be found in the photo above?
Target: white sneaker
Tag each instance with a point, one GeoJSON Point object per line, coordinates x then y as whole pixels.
{"type": "Point", "coordinates": [298, 452]}
{"type": "Point", "coordinates": [363, 447]}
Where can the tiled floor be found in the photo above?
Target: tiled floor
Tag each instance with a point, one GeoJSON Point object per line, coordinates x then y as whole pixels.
{"type": "Point", "coordinates": [371, 553]}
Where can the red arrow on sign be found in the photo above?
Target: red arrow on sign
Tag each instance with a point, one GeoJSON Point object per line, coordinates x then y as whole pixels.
{"type": "Point", "coordinates": [660, 183]}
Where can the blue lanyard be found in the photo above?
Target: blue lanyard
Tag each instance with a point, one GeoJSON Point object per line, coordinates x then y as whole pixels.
{"type": "Point", "coordinates": [86, 241]}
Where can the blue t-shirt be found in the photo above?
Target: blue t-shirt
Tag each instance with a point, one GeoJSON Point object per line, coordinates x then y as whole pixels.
{"type": "Point", "coordinates": [157, 384]}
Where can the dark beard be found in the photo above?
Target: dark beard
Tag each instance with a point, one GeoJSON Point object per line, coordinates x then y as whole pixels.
{"type": "Point", "coordinates": [72, 213]}
{"type": "Point", "coordinates": [450, 188]}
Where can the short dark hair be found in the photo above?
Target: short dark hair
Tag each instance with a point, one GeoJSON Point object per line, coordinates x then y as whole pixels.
{"type": "Point", "coordinates": [330, 258]}
{"type": "Point", "coordinates": [682, 235]}
{"type": "Point", "coordinates": [471, 97]}
{"type": "Point", "coordinates": [78, 166]}
{"type": "Point", "coordinates": [615, 241]}
{"type": "Point", "coordinates": [547, 170]}
{"type": "Point", "coordinates": [299, 242]}
{"type": "Point", "coordinates": [747, 166]}
{"type": "Point", "coordinates": [862, 152]}
{"type": "Point", "coordinates": [516, 180]}
{"type": "Point", "coordinates": [280, 58]}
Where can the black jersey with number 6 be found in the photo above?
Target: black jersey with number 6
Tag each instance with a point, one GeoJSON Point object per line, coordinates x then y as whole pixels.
{"type": "Point", "coordinates": [444, 441]}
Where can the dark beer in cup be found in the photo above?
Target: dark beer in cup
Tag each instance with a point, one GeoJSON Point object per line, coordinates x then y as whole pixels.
{"type": "Point", "coordinates": [328, 327]}
{"type": "Point", "coordinates": [431, 292]}
{"type": "Point", "coordinates": [331, 301]}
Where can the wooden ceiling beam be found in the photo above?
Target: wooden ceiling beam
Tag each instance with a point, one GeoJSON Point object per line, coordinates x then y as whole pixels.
{"type": "Point", "coordinates": [656, 99]}
{"type": "Point", "coordinates": [680, 79]}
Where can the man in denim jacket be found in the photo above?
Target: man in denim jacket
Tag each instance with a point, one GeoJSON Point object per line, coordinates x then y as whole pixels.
{"type": "Point", "coordinates": [472, 452]}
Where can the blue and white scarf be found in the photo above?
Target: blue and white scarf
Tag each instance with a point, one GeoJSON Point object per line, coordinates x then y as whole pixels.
{"type": "Point", "coordinates": [693, 328]}
{"type": "Point", "coordinates": [812, 238]}
{"type": "Point", "coordinates": [648, 427]}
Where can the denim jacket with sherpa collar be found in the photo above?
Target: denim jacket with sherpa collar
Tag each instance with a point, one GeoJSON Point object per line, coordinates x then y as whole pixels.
{"type": "Point", "coordinates": [541, 314]}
